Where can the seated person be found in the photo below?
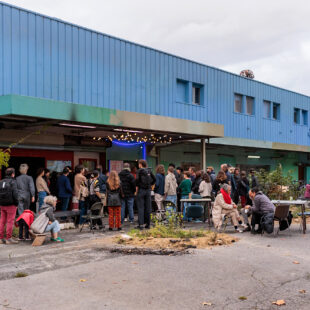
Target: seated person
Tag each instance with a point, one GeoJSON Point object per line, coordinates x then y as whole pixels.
{"type": "Point", "coordinates": [223, 205]}
{"type": "Point", "coordinates": [261, 206]}
{"type": "Point", "coordinates": [53, 226]}
{"type": "Point", "coordinates": [24, 222]}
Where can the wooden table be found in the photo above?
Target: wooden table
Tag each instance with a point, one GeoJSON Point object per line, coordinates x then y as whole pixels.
{"type": "Point", "coordinates": [301, 203]}
{"type": "Point", "coordinates": [204, 201]}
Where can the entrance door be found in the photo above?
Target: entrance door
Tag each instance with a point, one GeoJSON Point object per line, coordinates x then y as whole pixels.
{"type": "Point", "coordinates": [34, 164]}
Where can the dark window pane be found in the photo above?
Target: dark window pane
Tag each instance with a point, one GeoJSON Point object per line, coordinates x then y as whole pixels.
{"type": "Point", "coordinates": [238, 103]}
{"type": "Point", "coordinates": [249, 105]}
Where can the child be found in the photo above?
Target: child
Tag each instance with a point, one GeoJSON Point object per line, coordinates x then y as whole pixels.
{"type": "Point", "coordinates": [114, 200]}
{"type": "Point", "coordinates": [24, 222]}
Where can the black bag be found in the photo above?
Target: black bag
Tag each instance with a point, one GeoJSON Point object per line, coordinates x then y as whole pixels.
{"type": "Point", "coordinates": [6, 193]}
{"type": "Point", "coordinates": [146, 179]}
{"type": "Point", "coordinates": [114, 198]}
{"type": "Point", "coordinates": [267, 222]}
{"type": "Point", "coordinates": [283, 224]}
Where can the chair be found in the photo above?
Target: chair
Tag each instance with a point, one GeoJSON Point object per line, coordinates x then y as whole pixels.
{"type": "Point", "coordinates": [95, 213]}
{"type": "Point", "coordinates": [281, 214]}
{"type": "Point", "coordinates": [194, 210]}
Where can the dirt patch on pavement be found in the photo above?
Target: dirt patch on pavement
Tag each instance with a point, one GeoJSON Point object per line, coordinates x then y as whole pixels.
{"type": "Point", "coordinates": [208, 241]}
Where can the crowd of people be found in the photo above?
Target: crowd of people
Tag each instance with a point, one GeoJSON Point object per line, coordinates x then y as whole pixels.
{"type": "Point", "coordinates": [119, 192]}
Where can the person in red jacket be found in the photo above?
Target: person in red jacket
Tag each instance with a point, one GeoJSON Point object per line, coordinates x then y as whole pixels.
{"type": "Point", "coordinates": [24, 222]}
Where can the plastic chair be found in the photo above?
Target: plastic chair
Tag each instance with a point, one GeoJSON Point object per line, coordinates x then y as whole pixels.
{"type": "Point", "coordinates": [95, 213]}
{"type": "Point", "coordinates": [281, 214]}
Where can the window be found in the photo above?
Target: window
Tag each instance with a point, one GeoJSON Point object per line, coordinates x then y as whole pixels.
{"type": "Point", "coordinates": [249, 105]}
{"type": "Point", "coordinates": [304, 114]}
{"type": "Point", "coordinates": [197, 94]}
{"type": "Point", "coordinates": [276, 111]}
{"type": "Point", "coordinates": [267, 109]}
{"type": "Point", "coordinates": [182, 91]}
{"type": "Point", "coordinates": [238, 103]}
{"type": "Point", "coordinates": [297, 116]}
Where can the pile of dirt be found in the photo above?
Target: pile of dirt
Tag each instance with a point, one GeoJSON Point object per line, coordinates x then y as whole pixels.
{"type": "Point", "coordinates": [208, 241]}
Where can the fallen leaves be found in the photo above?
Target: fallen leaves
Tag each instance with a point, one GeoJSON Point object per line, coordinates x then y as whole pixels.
{"type": "Point", "coordinates": [302, 291]}
{"type": "Point", "coordinates": [243, 298]}
{"type": "Point", "coordinates": [83, 280]}
{"type": "Point", "coordinates": [296, 262]}
{"type": "Point", "coordinates": [207, 303]}
{"type": "Point", "coordinates": [279, 302]}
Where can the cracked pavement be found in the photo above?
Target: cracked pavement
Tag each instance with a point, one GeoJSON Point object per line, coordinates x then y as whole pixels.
{"type": "Point", "coordinates": [258, 268]}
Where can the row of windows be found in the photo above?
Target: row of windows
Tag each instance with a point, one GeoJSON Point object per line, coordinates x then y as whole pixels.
{"type": "Point", "coordinates": [187, 90]}
{"type": "Point", "coordinates": [245, 104]}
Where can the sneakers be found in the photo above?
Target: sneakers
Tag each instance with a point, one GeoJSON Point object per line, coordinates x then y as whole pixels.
{"type": "Point", "coordinates": [57, 239]}
{"type": "Point", "coordinates": [139, 227]}
{"type": "Point", "coordinates": [2, 241]}
{"type": "Point", "coordinates": [247, 228]}
{"type": "Point", "coordinates": [11, 241]}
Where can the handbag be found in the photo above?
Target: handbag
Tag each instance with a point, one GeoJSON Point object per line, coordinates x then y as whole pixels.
{"type": "Point", "coordinates": [84, 192]}
{"type": "Point", "coordinates": [114, 199]}
{"type": "Point", "coordinates": [40, 223]}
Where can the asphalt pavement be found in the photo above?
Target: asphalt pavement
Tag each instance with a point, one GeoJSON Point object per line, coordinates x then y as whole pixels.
{"type": "Point", "coordinates": [249, 274]}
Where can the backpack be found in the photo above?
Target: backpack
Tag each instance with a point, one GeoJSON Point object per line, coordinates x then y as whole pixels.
{"type": "Point", "coordinates": [283, 224]}
{"type": "Point", "coordinates": [146, 179]}
{"type": "Point", "coordinates": [6, 193]}
{"type": "Point", "coordinates": [267, 222]}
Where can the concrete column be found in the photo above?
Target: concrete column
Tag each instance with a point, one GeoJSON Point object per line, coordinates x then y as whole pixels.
{"type": "Point", "coordinates": [203, 154]}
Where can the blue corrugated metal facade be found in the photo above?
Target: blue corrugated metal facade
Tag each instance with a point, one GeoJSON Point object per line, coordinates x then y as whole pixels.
{"type": "Point", "coordinates": [48, 58]}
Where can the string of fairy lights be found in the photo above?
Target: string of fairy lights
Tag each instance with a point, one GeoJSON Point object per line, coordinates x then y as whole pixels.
{"type": "Point", "coordinates": [136, 137]}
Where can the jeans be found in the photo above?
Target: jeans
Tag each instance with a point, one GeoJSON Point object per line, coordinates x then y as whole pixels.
{"type": "Point", "coordinates": [83, 211]}
{"type": "Point", "coordinates": [54, 227]}
{"type": "Point", "coordinates": [144, 206]}
{"type": "Point", "coordinates": [128, 202]}
{"type": "Point", "coordinates": [41, 195]}
{"type": "Point", "coordinates": [172, 198]}
{"type": "Point", "coordinates": [64, 203]}
{"type": "Point", "coordinates": [7, 219]}
{"type": "Point", "coordinates": [184, 208]}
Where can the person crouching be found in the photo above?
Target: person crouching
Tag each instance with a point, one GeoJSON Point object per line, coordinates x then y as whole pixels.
{"type": "Point", "coordinates": [53, 226]}
{"type": "Point", "coordinates": [24, 221]}
{"type": "Point", "coordinates": [114, 200]}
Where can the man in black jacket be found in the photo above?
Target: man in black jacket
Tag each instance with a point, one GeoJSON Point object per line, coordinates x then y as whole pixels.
{"type": "Point", "coordinates": [8, 205]}
{"type": "Point", "coordinates": [145, 179]}
{"type": "Point", "coordinates": [128, 183]}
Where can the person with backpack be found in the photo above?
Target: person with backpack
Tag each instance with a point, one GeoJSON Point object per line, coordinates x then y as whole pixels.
{"type": "Point", "coordinates": [8, 205]}
{"type": "Point", "coordinates": [144, 181]}
{"type": "Point", "coordinates": [25, 188]}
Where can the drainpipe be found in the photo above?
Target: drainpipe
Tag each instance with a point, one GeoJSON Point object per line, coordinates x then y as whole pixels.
{"type": "Point", "coordinates": [203, 154]}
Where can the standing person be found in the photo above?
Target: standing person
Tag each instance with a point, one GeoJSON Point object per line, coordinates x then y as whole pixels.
{"type": "Point", "coordinates": [220, 180]}
{"type": "Point", "coordinates": [307, 192]}
{"type": "Point", "coordinates": [192, 171]}
{"type": "Point", "coordinates": [174, 171]}
{"type": "Point", "coordinates": [102, 185]}
{"type": "Point", "coordinates": [79, 186]}
{"type": "Point", "coordinates": [114, 200]}
{"type": "Point", "coordinates": [145, 179]}
{"type": "Point", "coordinates": [253, 179]}
{"type": "Point", "coordinates": [128, 183]}
{"type": "Point", "coordinates": [243, 187]}
{"type": "Point", "coordinates": [235, 177]}
{"type": "Point", "coordinates": [262, 206]}
{"type": "Point", "coordinates": [8, 205]}
{"type": "Point", "coordinates": [196, 183]}
{"type": "Point", "coordinates": [185, 189]}
{"type": "Point", "coordinates": [42, 187]}
{"type": "Point", "coordinates": [47, 176]}
{"type": "Point", "coordinates": [159, 189]}
{"type": "Point", "coordinates": [171, 186]}
{"type": "Point", "coordinates": [224, 167]}
{"type": "Point", "coordinates": [26, 190]}
{"type": "Point", "coordinates": [95, 196]}
{"type": "Point", "coordinates": [64, 189]}
{"type": "Point", "coordinates": [205, 187]}
{"type": "Point", "coordinates": [180, 176]}
{"type": "Point", "coordinates": [211, 173]}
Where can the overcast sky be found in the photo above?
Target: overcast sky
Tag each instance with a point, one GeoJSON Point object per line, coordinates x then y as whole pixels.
{"type": "Point", "coordinates": [270, 37]}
